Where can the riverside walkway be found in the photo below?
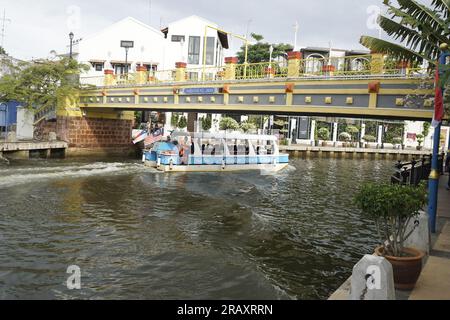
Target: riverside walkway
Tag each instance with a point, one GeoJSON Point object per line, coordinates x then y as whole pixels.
{"type": "Point", "coordinates": [434, 281]}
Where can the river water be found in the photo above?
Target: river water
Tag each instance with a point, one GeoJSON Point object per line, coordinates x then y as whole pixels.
{"type": "Point", "coordinates": [138, 234]}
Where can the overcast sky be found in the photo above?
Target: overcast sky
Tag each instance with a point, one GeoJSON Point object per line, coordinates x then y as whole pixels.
{"type": "Point", "coordinates": [37, 27]}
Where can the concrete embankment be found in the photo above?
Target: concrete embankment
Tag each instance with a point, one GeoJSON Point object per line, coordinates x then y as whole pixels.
{"type": "Point", "coordinates": [352, 153]}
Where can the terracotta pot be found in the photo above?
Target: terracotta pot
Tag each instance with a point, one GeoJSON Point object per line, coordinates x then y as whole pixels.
{"type": "Point", "coordinates": [406, 269]}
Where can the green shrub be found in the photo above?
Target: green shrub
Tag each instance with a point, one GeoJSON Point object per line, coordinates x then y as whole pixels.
{"type": "Point", "coordinates": [392, 207]}
{"type": "Point", "coordinates": [323, 134]}
{"type": "Point", "coordinates": [345, 136]}
{"type": "Point", "coordinates": [182, 123]}
{"type": "Point", "coordinates": [369, 138]}
{"type": "Point", "coordinates": [248, 126]}
{"type": "Point", "coordinates": [228, 124]}
{"type": "Point", "coordinates": [206, 122]}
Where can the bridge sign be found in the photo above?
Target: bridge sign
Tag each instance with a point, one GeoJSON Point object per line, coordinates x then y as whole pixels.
{"type": "Point", "coordinates": [200, 91]}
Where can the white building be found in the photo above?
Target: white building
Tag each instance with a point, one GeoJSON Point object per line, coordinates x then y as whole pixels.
{"type": "Point", "coordinates": [185, 42]}
{"type": "Point", "coordinates": [101, 48]}
{"type": "Point", "coordinates": [181, 41]}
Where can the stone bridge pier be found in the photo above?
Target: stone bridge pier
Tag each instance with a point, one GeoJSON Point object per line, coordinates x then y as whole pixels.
{"type": "Point", "coordinates": [91, 132]}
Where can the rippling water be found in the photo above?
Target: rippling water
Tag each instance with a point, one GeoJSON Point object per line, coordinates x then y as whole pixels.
{"type": "Point", "coordinates": [139, 234]}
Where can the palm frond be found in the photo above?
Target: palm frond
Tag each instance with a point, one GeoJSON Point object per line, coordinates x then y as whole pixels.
{"type": "Point", "coordinates": [443, 5]}
{"type": "Point", "coordinates": [413, 38]}
{"type": "Point", "coordinates": [440, 34]}
{"type": "Point", "coordinates": [392, 49]}
{"type": "Point", "coordinates": [422, 13]}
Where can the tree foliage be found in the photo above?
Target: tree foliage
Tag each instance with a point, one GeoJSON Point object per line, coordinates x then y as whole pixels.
{"type": "Point", "coordinates": [41, 83]}
{"type": "Point", "coordinates": [2, 51]}
{"type": "Point", "coordinates": [260, 51]}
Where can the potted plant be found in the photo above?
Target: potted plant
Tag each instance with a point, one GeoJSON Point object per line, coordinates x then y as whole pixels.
{"type": "Point", "coordinates": [420, 138]}
{"type": "Point", "coordinates": [397, 141]}
{"type": "Point", "coordinates": [353, 131]}
{"type": "Point", "coordinates": [345, 137]}
{"type": "Point", "coordinates": [392, 207]}
{"type": "Point", "coordinates": [369, 139]}
{"type": "Point", "coordinates": [324, 135]}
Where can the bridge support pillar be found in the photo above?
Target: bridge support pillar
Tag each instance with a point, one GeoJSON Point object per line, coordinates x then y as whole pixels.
{"type": "Point", "coordinates": [180, 74]}
{"type": "Point", "coordinates": [96, 132]}
{"type": "Point", "coordinates": [230, 68]}
{"type": "Point", "coordinates": [294, 58]}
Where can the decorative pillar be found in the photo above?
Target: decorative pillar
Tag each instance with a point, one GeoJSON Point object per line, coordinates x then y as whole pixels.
{"type": "Point", "coordinates": [313, 131]}
{"type": "Point", "coordinates": [294, 59]}
{"type": "Point", "coordinates": [329, 70]}
{"type": "Point", "coordinates": [377, 63]}
{"type": "Point", "coordinates": [270, 72]}
{"type": "Point", "coordinates": [380, 135]}
{"type": "Point", "coordinates": [141, 75]}
{"type": "Point", "coordinates": [180, 74]}
{"type": "Point", "coordinates": [335, 133]}
{"type": "Point", "coordinates": [363, 132]}
{"type": "Point", "coordinates": [109, 79]}
{"type": "Point", "coordinates": [230, 68]}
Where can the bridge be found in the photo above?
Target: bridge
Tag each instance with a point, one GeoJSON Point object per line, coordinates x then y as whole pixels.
{"type": "Point", "coordinates": [364, 86]}
{"type": "Point", "coordinates": [358, 86]}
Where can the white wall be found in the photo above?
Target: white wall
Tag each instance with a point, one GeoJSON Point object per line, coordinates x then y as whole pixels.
{"type": "Point", "coordinates": [190, 26]}
{"type": "Point", "coordinates": [105, 45]}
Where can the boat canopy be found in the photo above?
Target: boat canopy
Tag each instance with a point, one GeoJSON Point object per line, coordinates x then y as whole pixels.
{"type": "Point", "coordinates": [224, 136]}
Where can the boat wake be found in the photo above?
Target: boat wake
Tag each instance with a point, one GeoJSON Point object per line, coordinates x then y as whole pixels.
{"type": "Point", "coordinates": [18, 176]}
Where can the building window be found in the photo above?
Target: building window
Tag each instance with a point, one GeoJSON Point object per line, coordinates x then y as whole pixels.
{"type": "Point", "coordinates": [193, 76]}
{"type": "Point", "coordinates": [98, 67]}
{"type": "Point", "coordinates": [194, 50]}
{"type": "Point", "coordinates": [210, 50]}
{"type": "Point", "coordinates": [176, 38]}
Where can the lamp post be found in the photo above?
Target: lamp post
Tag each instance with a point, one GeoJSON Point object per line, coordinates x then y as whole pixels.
{"type": "Point", "coordinates": [71, 35]}
{"type": "Point", "coordinates": [127, 45]}
{"type": "Point", "coordinates": [433, 183]}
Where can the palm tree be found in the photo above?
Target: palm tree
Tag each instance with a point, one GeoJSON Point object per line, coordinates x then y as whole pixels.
{"type": "Point", "coordinates": [420, 28]}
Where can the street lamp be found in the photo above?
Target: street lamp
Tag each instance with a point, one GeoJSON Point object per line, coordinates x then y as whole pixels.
{"type": "Point", "coordinates": [71, 35]}
{"type": "Point", "coordinates": [127, 45]}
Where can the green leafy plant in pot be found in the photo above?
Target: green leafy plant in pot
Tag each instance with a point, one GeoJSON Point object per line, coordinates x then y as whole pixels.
{"type": "Point", "coordinates": [393, 208]}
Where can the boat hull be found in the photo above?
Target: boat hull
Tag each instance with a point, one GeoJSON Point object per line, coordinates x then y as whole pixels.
{"type": "Point", "coordinates": [220, 168]}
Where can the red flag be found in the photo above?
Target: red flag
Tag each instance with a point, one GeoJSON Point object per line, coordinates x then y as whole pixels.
{"type": "Point", "coordinates": [438, 101]}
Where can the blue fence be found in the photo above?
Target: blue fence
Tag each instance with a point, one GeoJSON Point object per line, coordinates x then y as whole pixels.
{"type": "Point", "coordinates": [8, 113]}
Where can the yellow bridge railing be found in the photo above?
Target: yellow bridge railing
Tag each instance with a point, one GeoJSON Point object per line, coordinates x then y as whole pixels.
{"type": "Point", "coordinates": [340, 67]}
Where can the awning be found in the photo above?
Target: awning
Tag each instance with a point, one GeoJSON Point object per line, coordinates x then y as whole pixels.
{"type": "Point", "coordinates": [97, 61]}
{"type": "Point", "coordinates": [223, 38]}
{"type": "Point", "coordinates": [120, 62]}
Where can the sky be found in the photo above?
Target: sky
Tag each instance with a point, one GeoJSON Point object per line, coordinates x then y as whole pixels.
{"type": "Point", "coordinates": [34, 28]}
